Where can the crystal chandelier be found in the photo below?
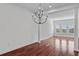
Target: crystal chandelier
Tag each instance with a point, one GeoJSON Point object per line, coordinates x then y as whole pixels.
{"type": "Point", "coordinates": [39, 16]}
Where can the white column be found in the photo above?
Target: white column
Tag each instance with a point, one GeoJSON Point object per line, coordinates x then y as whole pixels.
{"type": "Point", "coordinates": [54, 33]}
{"type": "Point", "coordinates": [38, 33]}
{"type": "Point", "coordinates": [76, 29]}
{"type": "Point", "coordinates": [54, 27]}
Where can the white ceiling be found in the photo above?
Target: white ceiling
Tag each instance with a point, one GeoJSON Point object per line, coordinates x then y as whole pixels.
{"type": "Point", "coordinates": [55, 6]}
{"type": "Point", "coordinates": [58, 10]}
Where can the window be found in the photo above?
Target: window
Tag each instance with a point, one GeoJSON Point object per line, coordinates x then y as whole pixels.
{"type": "Point", "coordinates": [71, 30]}
{"type": "Point", "coordinates": [64, 30]}
{"type": "Point", "coordinates": [57, 30]}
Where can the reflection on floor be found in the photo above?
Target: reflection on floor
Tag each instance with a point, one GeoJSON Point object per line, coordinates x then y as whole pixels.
{"type": "Point", "coordinates": [65, 47]}
{"type": "Point", "coordinates": [54, 46]}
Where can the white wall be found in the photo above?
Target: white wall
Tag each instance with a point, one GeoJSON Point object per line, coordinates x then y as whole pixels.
{"type": "Point", "coordinates": [46, 29]}
{"type": "Point", "coordinates": [17, 28]}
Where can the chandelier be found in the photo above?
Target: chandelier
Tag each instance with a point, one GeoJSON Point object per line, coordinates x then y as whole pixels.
{"type": "Point", "coordinates": [39, 16]}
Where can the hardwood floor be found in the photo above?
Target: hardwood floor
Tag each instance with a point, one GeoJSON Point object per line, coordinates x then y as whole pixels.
{"type": "Point", "coordinates": [54, 46]}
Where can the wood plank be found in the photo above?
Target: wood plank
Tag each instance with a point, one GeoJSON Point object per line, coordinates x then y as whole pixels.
{"type": "Point", "coordinates": [45, 48]}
